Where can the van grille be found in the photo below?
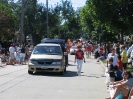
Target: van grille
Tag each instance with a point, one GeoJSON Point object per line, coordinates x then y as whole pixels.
{"type": "Point", "coordinates": [45, 69]}
{"type": "Point", "coordinates": [46, 60]}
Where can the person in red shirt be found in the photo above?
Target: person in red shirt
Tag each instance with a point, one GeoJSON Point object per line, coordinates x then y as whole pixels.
{"type": "Point", "coordinates": [79, 56]}
{"type": "Point", "coordinates": [88, 50]}
{"type": "Point", "coordinates": [101, 49]}
{"type": "Point", "coordinates": [119, 63]}
{"type": "Point", "coordinates": [93, 48]}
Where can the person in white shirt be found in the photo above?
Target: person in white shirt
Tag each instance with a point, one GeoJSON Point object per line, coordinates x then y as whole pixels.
{"type": "Point", "coordinates": [114, 56]}
{"type": "Point", "coordinates": [130, 54]}
{"type": "Point", "coordinates": [12, 56]}
{"type": "Point", "coordinates": [18, 48]}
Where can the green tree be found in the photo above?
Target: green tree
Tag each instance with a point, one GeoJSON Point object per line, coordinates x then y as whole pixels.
{"type": "Point", "coordinates": [4, 1]}
{"type": "Point", "coordinates": [114, 14]}
{"type": "Point", "coordinates": [7, 22]}
{"type": "Point", "coordinates": [35, 21]}
{"type": "Point", "coordinates": [87, 23]}
{"type": "Point", "coordinates": [70, 20]}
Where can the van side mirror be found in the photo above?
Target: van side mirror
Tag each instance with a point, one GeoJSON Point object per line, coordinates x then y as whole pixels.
{"type": "Point", "coordinates": [65, 53]}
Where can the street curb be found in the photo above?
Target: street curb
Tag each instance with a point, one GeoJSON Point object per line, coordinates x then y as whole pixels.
{"type": "Point", "coordinates": [102, 64]}
{"type": "Point", "coordinates": [105, 66]}
{"type": "Point", "coordinates": [3, 65]}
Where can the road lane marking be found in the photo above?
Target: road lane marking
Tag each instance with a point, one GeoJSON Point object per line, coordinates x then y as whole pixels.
{"type": "Point", "coordinates": [12, 72]}
{"type": "Point", "coordinates": [16, 84]}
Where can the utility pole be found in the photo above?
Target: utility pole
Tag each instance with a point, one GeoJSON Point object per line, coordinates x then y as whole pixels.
{"type": "Point", "coordinates": [47, 19]}
{"type": "Point", "coordinates": [59, 29]}
{"type": "Point", "coordinates": [59, 21]}
{"type": "Point", "coordinates": [22, 23]}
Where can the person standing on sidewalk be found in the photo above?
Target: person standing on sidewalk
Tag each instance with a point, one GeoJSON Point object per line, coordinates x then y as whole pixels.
{"type": "Point", "coordinates": [79, 57]}
{"type": "Point", "coordinates": [23, 54]}
{"type": "Point", "coordinates": [114, 56]}
{"type": "Point", "coordinates": [12, 56]}
{"type": "Point", "coordinates": [120, 65]}
{"type": "Point", "coordinates": [130, 54]}
{"type": "Point", "coordinates": [124, 58]}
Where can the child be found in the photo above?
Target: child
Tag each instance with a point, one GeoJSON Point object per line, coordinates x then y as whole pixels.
{"type": "Point", "coordinates": [119, 63]}
{"type": "Point", "coordinates": [18, 58]}
{"type": "Point", "coordinates": [111, 70]}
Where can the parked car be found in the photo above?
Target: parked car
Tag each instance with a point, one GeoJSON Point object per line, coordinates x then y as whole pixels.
{"type": "Point", "coordinates": [73, 50]}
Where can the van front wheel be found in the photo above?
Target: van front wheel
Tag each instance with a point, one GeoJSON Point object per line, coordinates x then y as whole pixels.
{"type": "Point", "coordinates": [62, 72]}
{"type": "Point", "coordinates": [30, 72]}
{"type": "Point", "coordinates": [64, 68]}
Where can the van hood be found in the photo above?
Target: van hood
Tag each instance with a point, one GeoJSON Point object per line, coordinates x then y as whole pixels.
{"type": "Point", "coordinates": [46, 56]}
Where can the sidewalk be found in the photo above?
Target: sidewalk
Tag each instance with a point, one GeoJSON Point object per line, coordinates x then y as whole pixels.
{"type": "Point", "coordinates": [3, 64]}
{"type": "Point", "coordinates": [105, 65]}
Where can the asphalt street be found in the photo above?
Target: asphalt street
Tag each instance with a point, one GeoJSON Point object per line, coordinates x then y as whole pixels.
{"type": "Point", "coordinates": [16, 83]}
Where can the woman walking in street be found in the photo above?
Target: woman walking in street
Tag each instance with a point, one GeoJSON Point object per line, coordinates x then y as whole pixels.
{"type": "Point", "coordinates": [88, 50]}
{"type": "Point", "coordinates": [79, 56]}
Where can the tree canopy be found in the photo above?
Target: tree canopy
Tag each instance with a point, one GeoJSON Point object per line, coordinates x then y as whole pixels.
{"type": "Point", "coordinates": [97, 20]}
{"type": "Point", "coordinates": [115, 15]}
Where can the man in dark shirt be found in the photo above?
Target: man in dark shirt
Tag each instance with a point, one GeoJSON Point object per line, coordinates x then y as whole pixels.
{"type": "Point", "coordinates": [23, 54]}
{"type": "Point", "coordinates": [66, 56]}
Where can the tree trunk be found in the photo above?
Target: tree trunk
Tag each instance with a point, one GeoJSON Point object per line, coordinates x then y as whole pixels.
{"type": "Point", "coordinates": [34, 38]}
{"type": "Point", "coordinates": [118, 36]}
{"type": "Point", "coordinates": [122, 38]}
{"type": "Point", "coordinates": [105, 46]}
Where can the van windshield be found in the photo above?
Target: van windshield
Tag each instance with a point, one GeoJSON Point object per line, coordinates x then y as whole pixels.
{"type": "Point", "coordinates": [50, 50]}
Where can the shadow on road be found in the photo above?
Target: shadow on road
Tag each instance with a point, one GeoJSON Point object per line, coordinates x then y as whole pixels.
{"type": "Point", "coordinates": [1, 67]}
{"type": "Point", "coordinates": [93, 76]}
{"type": "Point", "coordinates": [66, 74]}
{"type": "Point", "coordinates": [72, 65]}
{"type": "Point", "coordinates": [71, 61]}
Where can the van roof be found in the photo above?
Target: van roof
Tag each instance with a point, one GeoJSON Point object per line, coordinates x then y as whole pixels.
{"type": "Point", "coordinates": [48, 44]}
{"type": "Point", "coordinates": [52, 40]}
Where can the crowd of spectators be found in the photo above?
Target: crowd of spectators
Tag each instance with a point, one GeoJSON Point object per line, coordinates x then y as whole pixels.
{"type": "Point", "coordinates": [118, 57]}
{"type": "Point", "coordinates": [16, 54]}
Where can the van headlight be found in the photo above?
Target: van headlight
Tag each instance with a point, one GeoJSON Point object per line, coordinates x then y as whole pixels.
{"type": "Point", "coordinates": [31, 61]}
{"type": "Point", "coordinates": [59, 62]}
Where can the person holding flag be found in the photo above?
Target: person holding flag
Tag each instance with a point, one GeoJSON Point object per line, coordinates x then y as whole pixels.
{"type": "Point", "coordinates": [79, 43]}
{"type": "Point", "coordinates": [69, 45]}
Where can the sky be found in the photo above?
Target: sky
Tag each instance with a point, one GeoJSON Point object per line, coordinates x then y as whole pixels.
{"type": "Point", "coordinates": [75, 3]}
